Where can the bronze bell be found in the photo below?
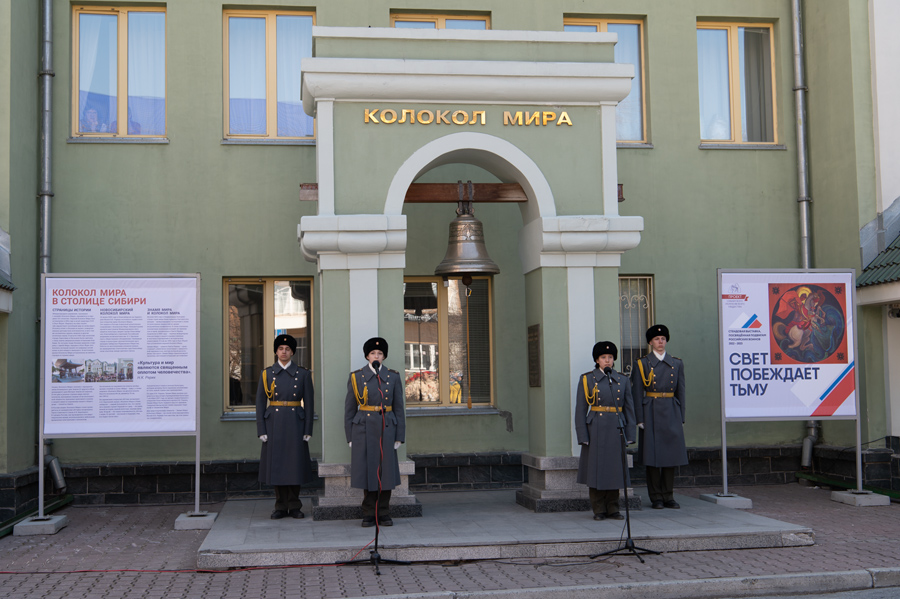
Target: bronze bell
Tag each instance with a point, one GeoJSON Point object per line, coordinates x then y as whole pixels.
{"type": "Point", "coordinates": [466, 254]}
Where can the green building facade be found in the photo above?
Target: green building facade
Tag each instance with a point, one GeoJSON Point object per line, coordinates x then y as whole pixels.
{"type": "Point", "coordinates": [332, 228]}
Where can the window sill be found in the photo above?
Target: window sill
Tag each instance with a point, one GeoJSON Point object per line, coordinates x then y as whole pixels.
{"type": "Point", "coordinates": [118, 140]}
{"type": "Point", "coordinates": [708, 146]}
{"type": "Point", "coordinates": [636, 145]}
{"type": "Point", "coordinates": [242, 416]}
{"type": "Point", "coordinates": [416, 411]}
{"type": "Point", "coordinates": [268, 142]}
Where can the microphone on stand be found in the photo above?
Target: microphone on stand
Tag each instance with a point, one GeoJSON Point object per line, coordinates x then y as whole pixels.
{"type": "Point", "coordinates": [376, 365]}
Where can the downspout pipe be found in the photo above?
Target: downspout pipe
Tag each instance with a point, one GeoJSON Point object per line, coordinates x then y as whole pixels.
{"type": "Point", "coordinates": [46, 75]}
{"type": "Point", "coordinates": [803, 198]}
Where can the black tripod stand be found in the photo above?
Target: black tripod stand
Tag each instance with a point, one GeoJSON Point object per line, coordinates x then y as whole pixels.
{"type": "Point", "coordinates": [374, 557]}
{"type": "Point", "coordinates": [629, 542]}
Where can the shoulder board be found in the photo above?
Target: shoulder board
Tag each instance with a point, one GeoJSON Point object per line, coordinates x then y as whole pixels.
{"type": "Point", "coordinates": [391, 370]}
{"type": "Point", "coordinates": [679, 359]}
{"type": "Point", "coordinates": [587, 373]}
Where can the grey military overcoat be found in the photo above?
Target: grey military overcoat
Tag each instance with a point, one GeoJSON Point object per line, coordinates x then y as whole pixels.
{"type": "Point", "coordinates": [662, 438]}
{"type": "Point", "coordinates": [284, 457]}
{"type": "Point", "coordinates": [600, 466]}
{"type": "Point", "coordinates": [363, 428]}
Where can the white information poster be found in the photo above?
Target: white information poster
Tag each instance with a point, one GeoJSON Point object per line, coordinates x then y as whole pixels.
{"type": "Point", "coordinates": [120, 355]}
{"type": "Point", "coordinates": [788, 345]}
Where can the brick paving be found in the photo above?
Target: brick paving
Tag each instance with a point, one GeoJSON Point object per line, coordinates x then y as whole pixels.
{"type": "Point", "coordinates": [142, 538]}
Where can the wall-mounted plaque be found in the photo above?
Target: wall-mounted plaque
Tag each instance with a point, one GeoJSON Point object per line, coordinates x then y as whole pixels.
{"type": "Point", "coordinates": [534, 355]}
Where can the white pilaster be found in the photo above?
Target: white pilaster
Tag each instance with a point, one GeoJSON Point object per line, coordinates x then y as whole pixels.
{"type": "Point", "coordinates": [325, 154]}
{"type": "Point", "coordinates": [580, 286]}
{"type": "Point", "coordinates": [363, 308]}
{"type": "Point", "coordinates": [608, 163]}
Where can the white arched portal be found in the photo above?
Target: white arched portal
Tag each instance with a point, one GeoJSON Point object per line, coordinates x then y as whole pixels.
{"type": "Point", "coordinates": [497, 156]}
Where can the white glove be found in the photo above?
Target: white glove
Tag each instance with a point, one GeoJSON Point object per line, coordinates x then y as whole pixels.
{"type": "Point", "coordinates": [307, 438]}
{"type": "Point", "coordinates": [350, 444]}
{"type": "Point", "coordinates": [641, 425]}
{"type": "Point", "coordinates": [264, 438]}
{"type": "Point", "coordinates": [396, 445]}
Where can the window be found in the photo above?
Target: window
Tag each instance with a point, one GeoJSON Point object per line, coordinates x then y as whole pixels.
{"type": "Point", "coordinates": [629, 50]}
{"type": "Point", "coordinates": [119, 64]}
{"type": "Point", "coordinates": [635, 317]}
{"type": "Point", "coordinates": [262, 74]}
{"type": "Point", "coordinates": [447, 342]}
{"type": "Point", "coordinates": [737, 90]}
{"type": "Point", "coordinates": [409, 21]}
{"type": "Point", "coordinates": [257, 311]}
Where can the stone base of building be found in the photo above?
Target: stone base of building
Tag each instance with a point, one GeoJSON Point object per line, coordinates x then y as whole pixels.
{"type": "Point", "coordinates": [340, 501]}
{"type": "Point", "coordinates": [549, 489]}
{"type": "Point", "coordinates": [551, 486]}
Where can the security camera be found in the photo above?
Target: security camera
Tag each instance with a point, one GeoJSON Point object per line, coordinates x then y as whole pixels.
{"type": "Point", "coordinates": [894, 311]}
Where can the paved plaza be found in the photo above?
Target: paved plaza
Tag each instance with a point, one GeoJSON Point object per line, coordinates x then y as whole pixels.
{"type": "Point", "coordinates": [127, 552]}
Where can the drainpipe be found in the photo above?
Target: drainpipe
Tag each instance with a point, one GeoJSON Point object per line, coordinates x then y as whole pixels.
{"type": "Point", "coordinates": [45, 459]}
{"type": "Point", "coordinates": [803, 200]}
{"type": "Point", "coordinates": [46, 76]}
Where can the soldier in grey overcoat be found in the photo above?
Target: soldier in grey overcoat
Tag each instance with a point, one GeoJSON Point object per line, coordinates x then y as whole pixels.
{"type": "Point", "coordinates": [284, 423]}
{"type": "Point", "coordinates": [373, 412]}
{"type": "Point", "coordinates": [658, 383]}
{"type": "Point", "coordinates": [602, 401]}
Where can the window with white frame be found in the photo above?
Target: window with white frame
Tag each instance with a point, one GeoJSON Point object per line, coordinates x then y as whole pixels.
{"type": "Point", "coordinates": [263, 50]}
{"type": "Point", "coordinates": [119, 66]}
{"type": "Point", "coordinates": [630, 113]}
{"type": "Point", "coordinates": [737, 87]}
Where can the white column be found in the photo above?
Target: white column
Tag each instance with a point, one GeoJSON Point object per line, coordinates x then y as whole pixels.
{"type": "Point", "coordinates": [580, 285]}
{"type": "Point", "coordinates": [608, 163]}
{"type": "Point", "coordinates": [325, 155]}
{"type": "Point", "coordinates": [363, 309]}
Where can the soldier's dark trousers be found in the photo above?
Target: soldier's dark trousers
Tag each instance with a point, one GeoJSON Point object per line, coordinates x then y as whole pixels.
{"type": "Point", "coordinates": [384, 504]}
{"type": "Point", "coordinates": [604, 501]}
{"type": "Point", "coordinates": [287, 497]}
{"type": "Point", "coordinates": [660, 483]}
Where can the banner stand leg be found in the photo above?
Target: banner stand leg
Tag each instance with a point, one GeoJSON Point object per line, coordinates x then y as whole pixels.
{"type": "Point", "coordinates": [724, 498]}
{"type": "Point", "coordinates": [859, 497]}
{"type": "Point", "coordinates": [40, 524]}
{"type": "Point", "coordinates": [196, 520]}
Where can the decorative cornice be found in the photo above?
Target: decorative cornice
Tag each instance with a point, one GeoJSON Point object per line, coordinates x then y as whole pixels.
{"type": "Point", "coordinates": [568, 241]}
{"type": "Point", "coordinates": [463, 81]}
{"type": "Point", "coordinates": [354, 240]}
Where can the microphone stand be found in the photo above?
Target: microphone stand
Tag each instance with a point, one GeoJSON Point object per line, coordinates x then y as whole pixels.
{"type": "Point", "coordinates": [374, 557]}
{"type": "Point", "coordinates": [629, 542]}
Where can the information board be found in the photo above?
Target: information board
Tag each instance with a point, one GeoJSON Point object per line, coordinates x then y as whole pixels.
{"type": "Point", "coordinates": [119, 355]}
{"type": "Point", "coordinates": [788, 345]}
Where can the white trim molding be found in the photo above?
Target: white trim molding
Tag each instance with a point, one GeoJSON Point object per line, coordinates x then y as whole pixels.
{"type": "Point", "coordinates": [354, 241]}
{"type": "Point", "coordinates": [572, 241]}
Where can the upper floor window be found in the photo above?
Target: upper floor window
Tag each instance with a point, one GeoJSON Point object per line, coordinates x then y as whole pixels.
{"type": "Point", "coordinates": [263, 50]}
{"type": "Point", "coordinates": [416, 21]}
{"type": "Point", "coordinates": [119, 64]}
{"type": "Point", "coordinates": [629, 50]}
{"type": "Point", "coordinates": [257, 311]}
{"type": "Point", "coordinates": [737, 89]}
{"type": "Point", "coordinates": [447, 342]}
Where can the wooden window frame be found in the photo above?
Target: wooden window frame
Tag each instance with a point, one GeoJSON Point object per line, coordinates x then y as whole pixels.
{"type": "Point", "coordinates": [444, 346]}
{"type": "Point", "coordinates": [734, 82]}
{"type": "Point", "coordinates": [271, 71]}
{"type": "Point", "coordinates": [602, 25]}
{"type": "Point", "coordinates": [122, 13]}
{"type": "Point", "coordinates": [268, 284]}
{"type": "Point", "coordinates": [439, 20]}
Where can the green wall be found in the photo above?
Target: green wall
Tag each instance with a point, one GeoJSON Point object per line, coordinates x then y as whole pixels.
{"type": "Point", "coordinates": [19, 40]}
{"type": "Point", "coordinates": [196, 205]}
